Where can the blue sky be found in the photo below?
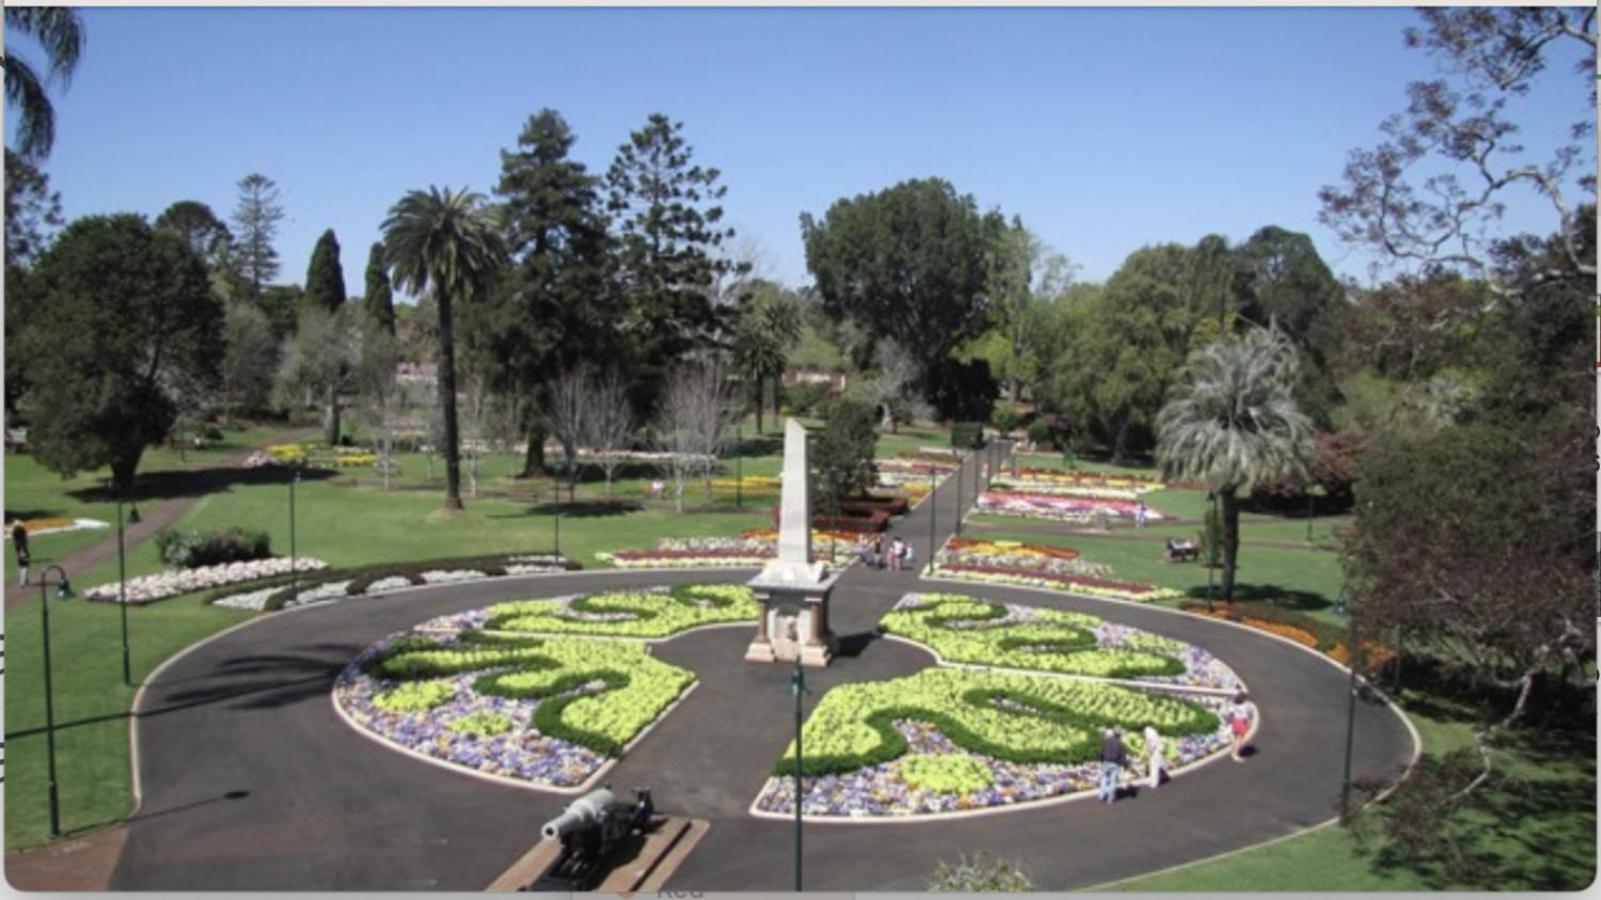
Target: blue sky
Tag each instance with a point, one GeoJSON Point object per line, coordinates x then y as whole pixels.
{"type": "Point", "coordinates": [1104, 129]}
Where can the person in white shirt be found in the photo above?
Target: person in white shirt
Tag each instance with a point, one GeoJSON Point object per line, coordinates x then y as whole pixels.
{"type": "Point", "coordinates": [1155, 749]}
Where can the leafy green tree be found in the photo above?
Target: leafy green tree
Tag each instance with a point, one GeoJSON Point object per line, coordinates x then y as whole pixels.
{"type": "Point", "coordinates": [125, 326]}
{"type": "Point", "coordinates": [321, 360]}
{"type": "Point", "coordinates": [59, 32]}
{"type": "Point", "coordinates": [767, 325]}
{"type": "Point", "coordinates": [1128, 346]}
{"type": "Point", "coordinates": [33, 212]}
{"type": "Point", "coordinates": [908, 262]}
{"type": "Point", "coordinates": [1282, 282]}
{"type": "Point", "coordinates": [1023, 274]}
{"type": "Point", "coordinates": [249, 358]}
{"type": "Point", "coordinates": [669, 230]}
{"type": "Point", "coordinates": [281, 304]}
{"type": "Point", "coordinates": [379, 298]}
{"type": "Point", "coordinates": [325, 277]}
{"type": "Point", "coordinates": [448, 244]}
{"type": "Point", "coordinates": [842, 454]}
{"type": "Point", "coordinates": [1233, 421]}
{"type": "Point", "coordinates": [255, 221]}
{"type": "Point", "coordinates": [553, 308]}
{"type": "Point", "coordinates": [200, 228]}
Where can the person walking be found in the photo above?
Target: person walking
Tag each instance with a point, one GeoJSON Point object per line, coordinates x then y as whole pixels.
{"type": "Point", "coordinates": [1113, 758]}
{"type": "Point", "coordinates": [1139, 514]}
{"type": "Point", "coordinates": [878, 551]}
{"type": "Point", "coordinates": [897, 552]}
{"type": "Point", "coordinates": [1242, 715]}
{"type": "Point", "coordinates": [1155, 748]}
{"type": "Point", "coordinates": [19, 543]}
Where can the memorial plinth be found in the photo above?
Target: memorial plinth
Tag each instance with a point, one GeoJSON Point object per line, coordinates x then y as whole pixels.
{"type": "Point", "coordinates": [791, 590]}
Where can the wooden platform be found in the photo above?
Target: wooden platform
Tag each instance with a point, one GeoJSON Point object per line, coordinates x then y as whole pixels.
{"type": "Point", "coordinates": [664, 850]}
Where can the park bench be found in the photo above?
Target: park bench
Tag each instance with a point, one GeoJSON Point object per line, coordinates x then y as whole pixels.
{"type": "Point", "coordinates": [1182, 551]}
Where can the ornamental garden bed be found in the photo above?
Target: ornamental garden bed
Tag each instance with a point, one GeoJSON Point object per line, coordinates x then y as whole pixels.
{"type": "Point", "coordinates": [948, 741]}
{"type": "Point", "coordinates": [488, 691]}
{"type": "Point", "coordinates": [283, 592]}
{"type": "Point", "coordinates": [967, 630]}
{"type": "Point", "coordinates": [647, 614]}
{"type": "Point", "coordinates": [547, 712]}
{"type": "Point", "coordinates": [1069, 507]}
{"type": "Point", "coordinates": [953, 740]}
{"type": "Point", "coordinates": [750, 549]}
{"type": "Point", "coordinates": [175, 582]}
{"type": "Point", "coordinates": [41, 527]}
{"type": "Point", "coordinates": [1036, 565]}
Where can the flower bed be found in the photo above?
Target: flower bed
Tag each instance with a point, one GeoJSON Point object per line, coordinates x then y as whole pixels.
{"type": "Point", "coordinates": [38, 527]}
{"type": "Point", "coordinates": [1036, 565]}
{"type": "Point", "coordinates": [967, 630]}
{"type": "Point", "coordinates": [632, 614]}
{"type": "Point", "coordinates": [1059, 507]}
{"type": "Point", "coordinates": [550, 712]}
{"type": "Point", "coordinates": [150, 588]}
{"type": "Point", "coordinates": [1133, 484]}
{"type": "Point", "coordinates": [281, 593]}
{"type": "Point", "coordinates": [750, 550]}
{"type": "Point", "coordinates": [946, 740]}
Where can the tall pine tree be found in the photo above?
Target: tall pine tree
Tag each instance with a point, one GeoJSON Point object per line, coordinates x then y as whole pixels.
{"type": "Point", "coordinates": [552, 308]}
{"type": "Point", "coordinates": [325, 277]}
{"type": "Point", "coordinates": [255, 222]}
{"type": "Point", "coordinates": [668, 226]}
{"type": "Point", "coordinates": [379, 298]}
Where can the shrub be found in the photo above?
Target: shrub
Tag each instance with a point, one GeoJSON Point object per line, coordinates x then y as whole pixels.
{"type": "Point", "coordinates": [1006, 417]}
{"type": "Point", "coordinates": [804, 397]}
{"type": "Point", "coordinates": [980, 873]}
{"type": "Point", "coordinates": [1040, 433]}
{"type": "Point", "coordinates": [967, 435]}
{"type": "Point", "coordinates": [193, 549]}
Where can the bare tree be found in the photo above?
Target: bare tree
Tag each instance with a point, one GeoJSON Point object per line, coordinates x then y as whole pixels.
{"type": "Point", "coordinates": [1432, 194]}
{"type": "Point", "coordinates": [887, 390]}
{"type": "Point", "coordinates": [478, 401]}
{"type": "Point", "coordinates": [383, 401]}
{"type": "Point", "coordinates": [321, 357]}
{"type": "Point", "coordinates": [609, 422]}
{"type": "Point", "coordinates": [567, 411]}
{"type": "Point", "coordinates": [696, 412]}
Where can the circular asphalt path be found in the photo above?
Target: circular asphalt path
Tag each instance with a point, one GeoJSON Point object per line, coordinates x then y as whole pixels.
{"type": "Point", "coordinates": [250, 781]}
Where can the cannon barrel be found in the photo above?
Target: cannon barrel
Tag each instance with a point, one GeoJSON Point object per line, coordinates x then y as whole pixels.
{"type": "Point", "coordinates": [580, 813]}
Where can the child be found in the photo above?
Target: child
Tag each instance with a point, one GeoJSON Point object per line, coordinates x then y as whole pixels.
{"type": "Point", "coordinates": [1241, 715]}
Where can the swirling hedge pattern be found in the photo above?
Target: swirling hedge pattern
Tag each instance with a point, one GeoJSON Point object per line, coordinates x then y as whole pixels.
{"type": "Point", "coordinates": [547, 710]}
{"type": "Point", "coordinates": [631, 614]}
{"type": "Point", "coordinates": [963, 629]}
{"type": "Point", "coordinates": [1015, 718]}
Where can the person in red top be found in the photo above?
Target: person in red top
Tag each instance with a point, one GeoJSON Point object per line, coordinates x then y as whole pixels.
{"type": "Point", "coordinates": [1242, 715]}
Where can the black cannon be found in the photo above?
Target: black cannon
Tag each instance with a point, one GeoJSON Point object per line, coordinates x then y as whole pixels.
{"type": "Point", "coordinates": [597, 831]}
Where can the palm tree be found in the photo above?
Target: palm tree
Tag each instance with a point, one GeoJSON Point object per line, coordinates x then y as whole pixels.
{"type": "Point", "coordinates": [59, 33]}
{"type": "Point", "coordinates": [446, 243]}
{"type": "Point", "coordinates": [769, 324]}
{"type": "Point", "coordinates": [1232, 421]}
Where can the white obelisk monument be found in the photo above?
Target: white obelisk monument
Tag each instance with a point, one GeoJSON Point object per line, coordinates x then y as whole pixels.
{"type": "Point", "coordinates": [792, 590]}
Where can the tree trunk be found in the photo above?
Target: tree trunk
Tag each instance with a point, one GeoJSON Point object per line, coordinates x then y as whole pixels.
{"type": "Point", "coordinates": [777, 383]}
{"type": "Point", "coordinates": [1120, 443]}
{"type": "Point", "coordinates": [331, 418]}
{"type": "Point", "coordinates": [447, 403]}
{"type": "Point", "coordinates": [1231, 540]}
{"type": "Point", "coordinates": [759, 404]}
{"type": "Point", "coordinates": [123, 470]}
{"type": "Point", "coordinates": [534, 463]}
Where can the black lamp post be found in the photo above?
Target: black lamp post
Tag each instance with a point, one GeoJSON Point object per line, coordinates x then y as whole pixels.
{"type": "Point", "coordinates": [556, 493]}
{"type": "Point", "coordinates": [294, 560]}
{"type": "Point", "coordinates": [122, 597]}
{"type": "Point", "coordinates": [933, 512]}
{"type": "Point", "coordinates": [1309, 515]}
{"type": "Point", "coordinates": [797, 686]}
{"type": "Point", "coordinates": [960, 462]}
{"type": "Point", "coordinates": [1350, 728]}
{"type": "Point", "coordinates": [63, 591]}
{"type": "Point", "coordinates": [739, 464]}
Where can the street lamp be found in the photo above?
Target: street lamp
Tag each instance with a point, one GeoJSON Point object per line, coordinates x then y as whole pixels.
{"type": "Point", "coordinates": [1350, 726]}
{"type": "Point", "coordinates": [1309, 515]}
{"type": "Point", "coordinates": [122, 597]}
{"type": "Point", "coordinates": [960, 462]}
{"type": "Point", "coordinates": [933, 512]}
{"type": "Point", "coordinates": [739, 465]}
{"type": "Point", "coordinates": [556, 493]}
{"type": "Point", "coordinates": [294, 562]}
{"type": "Point", "coordinates": [797, 686]}
{"type": "Point", "coordinates": [64, 592]}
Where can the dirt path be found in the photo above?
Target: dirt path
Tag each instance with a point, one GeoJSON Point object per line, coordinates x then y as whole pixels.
{"type": "Point", "coordinates": [154, 515]}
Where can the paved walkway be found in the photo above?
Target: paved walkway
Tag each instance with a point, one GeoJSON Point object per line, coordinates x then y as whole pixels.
{"type": "Point", "coordinates": [251, 781]}
{"type": "Point", "coordinates": [154, 515]}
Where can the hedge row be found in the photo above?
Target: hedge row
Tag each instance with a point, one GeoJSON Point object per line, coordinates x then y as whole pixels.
{"type": "Point", "coordinates": [362, 577]}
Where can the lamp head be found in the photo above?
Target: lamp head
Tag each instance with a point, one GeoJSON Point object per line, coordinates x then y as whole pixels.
{"type": "Point", "coordinates": [64, 590]}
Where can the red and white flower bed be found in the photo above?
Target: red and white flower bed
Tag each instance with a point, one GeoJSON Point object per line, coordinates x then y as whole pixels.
{"type": "Point", "coordinates": [1059, 507]}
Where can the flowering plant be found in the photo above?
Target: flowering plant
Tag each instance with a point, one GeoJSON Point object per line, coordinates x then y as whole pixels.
{"type": "Point", "coordinates": [636, 614]}
{"type": "Point", "coordinates": [1061, 507]}
{"type": "Point", "coordinates": [150, 588]}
